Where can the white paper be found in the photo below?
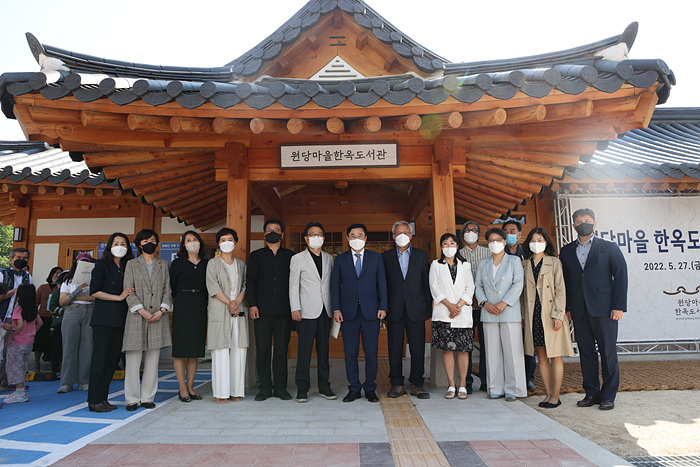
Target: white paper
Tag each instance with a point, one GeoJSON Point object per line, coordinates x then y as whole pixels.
{"type": "Point", "coordinates": [335, 329]}
{"type": "Point", "coordinates": [83, 273]}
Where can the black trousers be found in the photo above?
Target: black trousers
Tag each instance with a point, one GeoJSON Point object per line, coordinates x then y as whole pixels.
{"type": "Point", "coordinates": [309, 330]}
{"type": "Point", "coordinates": [269, 329]}
{"type": "Point", "coordinates": [56, 348]}
{"type": "Point", "coordinates": [106, 351]}
{"type": "Point", "coordinates": [592, 331]}
{"type": "Point", "coordinates": [414, 332]}
{"type": "Point", "coordinates": [476, 317]}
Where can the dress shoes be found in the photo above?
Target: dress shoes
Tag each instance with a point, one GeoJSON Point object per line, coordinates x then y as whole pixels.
{"type": "Point", "coordinates": [607, 405]}
{"type": "Point", "coordinates": [132, 407]}
{"type": "Point", "coordinates": [531, 386]}
{"type": "Point", "coordinates": [419, 392]}
{"type": "Point", "coordinates": [371, 396]}
{"type": "Point", "coordinates": [283, 394]}
{"type": "Point", "coordinates": [111, 406]}
{"type": "Point", "coordinates": [588, 401]}
{"type": "Point", "coordinates": [352, 396]}
{"type": "Point", "coordinates": [148, 405]}
{"type": "Point", "coordinates": [470, 390]}
{"type": "Point", "coordinates": [262, 395]}
{"type": "Point", "coordinates": [396, 391]}
{"type": "Point", "coordinates": [99, 408]}
{"type": "Point", "coordinates": [550, 405]}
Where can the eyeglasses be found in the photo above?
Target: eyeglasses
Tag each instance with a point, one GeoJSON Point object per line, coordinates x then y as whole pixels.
{"type": "Point", "coordinates": [314, 235]}
{"type": "Point", "coordinates": [273, 230]}
{"type": "Point", "coordinates": [472, 230]}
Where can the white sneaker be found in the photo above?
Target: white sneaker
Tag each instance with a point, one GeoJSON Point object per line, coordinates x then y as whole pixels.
{"type": "Point", "coordinates": [64, 389]}
{"type": "Point", "coordinates": [83, 387]}
{"type": "Point", "coordinates": [17, 397]}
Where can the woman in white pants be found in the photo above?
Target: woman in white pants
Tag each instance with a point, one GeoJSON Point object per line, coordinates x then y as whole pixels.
{"type": "Point", "coordinates": [499, 283]}
{"type": "Point", "coordinates": [227, 326]}
{"type": "Point", "coordinates": [147, 327]}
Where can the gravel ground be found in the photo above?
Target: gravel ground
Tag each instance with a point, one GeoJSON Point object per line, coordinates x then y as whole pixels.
{"type": "Point", "coordinates": [643, 423]}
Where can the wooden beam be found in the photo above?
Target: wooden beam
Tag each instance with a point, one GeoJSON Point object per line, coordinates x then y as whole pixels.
{"type": "Point", "coordinates": [401, 123]}
{"type": "Point", "coordinates": [439, 122]}
{"type": "Point", "coordinates": [484, 211]}
{"type": "Point", "coordinates": [565, 131]}
{"type": "Point", "coordinates": [442, 193]}
{"type": "Point", "coordinates": [197, 205]}
{"type": "Point", "coordinates": [483, 118]}
{"type": "Point", "coordinates": [524, 166]}
{"type": "Point", "coordinates": [92, 119]}
{"type": "Point", "coordinates": [48, 115]}
{"type": "Point", "coordinates": [417, 200]}
{"type": "Point", "coordinates": [238, 200]}
{"type": "Point", "coordinates": [568, 111]}
{"type": "Point", "coordinates": [369, 124]}
{"type": "Point", "coordinates": [528, 181]}
{"type": "Point", "coordinates": [191, 195]}
{"type": "Point", "coordinates": [476, 197]}
{"type": "Point", "coordinates": [142, 169]}
{"type": "Point", "coordinates": [156, 177]}
{"type": "Point", "coordinates": [179, 191]}
{"type": "Point", "coordinates": [623, 104]}
{"type": "Point", "coordinates": [195, 217]}
{"type": "Point", "coordinates": [268, 126]}
{"type": "Point", "coordinates": [105, 159]}
{"type": "Point", "coordinates": [137, 122]}
{"type": "Point", "coordinates": [28, 189]}
{"type": "Point", "coordinates": [191, 125]}
{"type": "Point", "coordinates": [7, 188]}
{"type": "Point", "coordinates": [145, 187]}
{"type": "Point", "coordinates": [361, 41]}
{"type": "Point", "coordinates": [491, 192]}
{"type": "Point", "coordinates": [302, 126]}
{"type": "Point", "coordinates": [335, 125]}
{"type": "Point", "coordinates": [547, 158]}
{"type": "Point", "coordinates": [310, 175]}
{"type": "Point", "coordinates": [269, 206]}
{"type": "Point", "coordinates": [531, 113]}
{"type": "Point", "coordinates": [497, 182]}
{"type": "Point", "coordinates": [232, 126]}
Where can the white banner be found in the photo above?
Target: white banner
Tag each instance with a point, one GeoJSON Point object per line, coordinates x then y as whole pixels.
{"type": "Point", "coordinates": [660, 239]}
{"type": "Point", "coordinates": [343, 155]}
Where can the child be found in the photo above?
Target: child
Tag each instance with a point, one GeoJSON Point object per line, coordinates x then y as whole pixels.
{"type": "Point", "coordinates": [19, 344]}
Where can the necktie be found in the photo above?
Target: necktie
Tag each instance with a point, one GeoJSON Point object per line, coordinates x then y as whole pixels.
{"type": "Point", "coordinates": [358, 264]}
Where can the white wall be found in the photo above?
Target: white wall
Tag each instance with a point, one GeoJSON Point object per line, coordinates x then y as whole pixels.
{"type": "Point", "coordinates": [85, 226]}
{"type": "Point", "coordinates": [44, 257]}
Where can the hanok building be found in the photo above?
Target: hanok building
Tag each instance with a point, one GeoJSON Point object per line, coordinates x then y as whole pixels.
{"type": "Point", "coordinates": [336, 117]}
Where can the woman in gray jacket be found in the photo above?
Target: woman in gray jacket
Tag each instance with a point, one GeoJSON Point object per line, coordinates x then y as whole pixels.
{"type": "Point", "coordinates": [147, 328]}
{"type": "Point", "coordinates": [499, 283]}
{"type": "Point", "coordinates": [227, 328]}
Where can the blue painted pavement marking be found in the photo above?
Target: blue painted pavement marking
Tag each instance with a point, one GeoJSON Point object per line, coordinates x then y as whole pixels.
{"type": "Point", "coordinates": [54, 432]}
{"type": "Point", "coordinates": [20, 456]}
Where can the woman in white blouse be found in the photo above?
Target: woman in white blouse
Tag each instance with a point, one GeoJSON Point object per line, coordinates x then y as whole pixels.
{"type": "Point", "coordinates": [452, 288]}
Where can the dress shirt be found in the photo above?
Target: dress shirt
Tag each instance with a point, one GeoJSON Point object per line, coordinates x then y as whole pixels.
{"type": "Point", "coordinates": [354, 256]}
{"type": "Point", "coordinates": [403, 259]}
{"type": "Point", "coordinates": [267, 284]}
{"type": "Point", "coordinates": [582, 250]}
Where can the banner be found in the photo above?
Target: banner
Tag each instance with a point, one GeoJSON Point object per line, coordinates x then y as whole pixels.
{"type": "Point", "coordinates": [660, 239]}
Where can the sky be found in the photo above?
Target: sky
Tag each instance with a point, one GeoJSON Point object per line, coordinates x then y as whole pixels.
{"type": "Point", "coordinates": [209, 33]}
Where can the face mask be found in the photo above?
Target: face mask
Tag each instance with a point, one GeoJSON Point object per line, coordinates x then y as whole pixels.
{"type": "Point", "coordinates": [471, 237]}
{"type": "Point", "coordinates": [273, 237]}
{"type": "Point", "coordinates": [315, 242]}
{"type": "Point", "coordinates": [449, 252]}
{"type": "Point", "coordinates": [20, 263]}
{"type": "Point", "coordinates": [496, 247]}
{"type": "Point", "coordinates": [402, 240]}
{"type": "Point", "coordinates": [118, 251]}
{"type": "Point", "coordinates": [511, 239]}
{"type": "Point", "coordinates": [227, 247]}
{"type": "Point", "coordinates": [584, 230]}
{"type": "Point", "coordinates": [357, 244]}
{"type": "Point", "coordinates": [537, 247]}
{"type": "Point", "coordinates": [192, 247]}
{"type": "Point", "coordinates": [149, 248]}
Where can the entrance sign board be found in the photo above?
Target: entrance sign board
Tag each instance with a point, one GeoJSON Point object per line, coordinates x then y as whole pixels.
{"type": "Point", "coordinates": [660, 239]}
{"type": "Point", "coordinates": [342, 155]}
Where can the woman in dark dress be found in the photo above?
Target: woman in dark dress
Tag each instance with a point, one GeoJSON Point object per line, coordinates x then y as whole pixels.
{"type": "Point", "coordinates": [108, 318]}
{"type": "Point", "coordinates": [188, 281]}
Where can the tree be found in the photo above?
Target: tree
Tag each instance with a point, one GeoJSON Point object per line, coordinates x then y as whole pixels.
{"type": "Point", "coordinates": [6, 232]}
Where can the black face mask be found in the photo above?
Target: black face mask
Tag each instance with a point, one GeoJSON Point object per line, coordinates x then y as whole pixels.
{"type": "Point", "coordinates": [149, 248]}
{"type": "Point", "coordinates": [273, 237]}
{"type": "Point", "coordinates": [584, 230]}
{"type": "Point", "coordinates": [20, 264]}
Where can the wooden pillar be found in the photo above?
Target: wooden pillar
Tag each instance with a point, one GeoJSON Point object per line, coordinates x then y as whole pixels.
{"type": "Point", "coordinates": [146, 217]}
{"type": "Point", "coordinates": [443, 207]}
{"type": "Point", "coordinates": [23, 204]}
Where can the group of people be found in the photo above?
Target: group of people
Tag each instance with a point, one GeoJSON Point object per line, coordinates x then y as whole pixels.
{"type": "Point", "coordinates": [519, 298]}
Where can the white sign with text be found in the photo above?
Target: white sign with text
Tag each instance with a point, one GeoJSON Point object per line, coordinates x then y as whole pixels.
{"type": "Point", "coordinates": [346, 155]}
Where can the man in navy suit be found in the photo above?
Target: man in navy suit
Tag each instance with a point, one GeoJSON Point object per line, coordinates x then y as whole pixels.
{"type": "Point", "coordinates": [410, 305]}
{"type": "Point", "coordinates": [595, 273]}
{"type": "Point", "coordinates": [359, 299]}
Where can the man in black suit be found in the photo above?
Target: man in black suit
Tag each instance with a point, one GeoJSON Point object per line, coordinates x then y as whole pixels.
{"type": "Point", "coordinates": [409, 307]}
{"type": "Point", "coordinates": [595, 273]}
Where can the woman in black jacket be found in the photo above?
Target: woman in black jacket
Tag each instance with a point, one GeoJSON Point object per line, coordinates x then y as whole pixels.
{"type": "Point", "coordinates": [108, 317]}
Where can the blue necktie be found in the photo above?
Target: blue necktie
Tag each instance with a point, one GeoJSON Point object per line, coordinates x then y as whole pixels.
{"type": "Point", "coordinates": [358, 264]}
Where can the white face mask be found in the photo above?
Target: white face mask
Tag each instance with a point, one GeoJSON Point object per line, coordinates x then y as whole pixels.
{"type": "Point", "coordinates": [471, 237]}
{"type": "Point", "coordinates": [402, 240]}
{"type": "Point", "coordinates": [192, 247]}
{"type": "Point", "coordinates": [315, 242]}
{"type": "Point", "coordinates": [449, 252]}
{"type": "Point", "coordinates": [357, 244]}
{"type": "Point", "coordinates": [496, 247]}
{"type": "Point", "coordinates": [118, 251]}
{"type": "Point", "coordinates": [537, 247]}
{"type": "Point", "coordinates": [227, 247]}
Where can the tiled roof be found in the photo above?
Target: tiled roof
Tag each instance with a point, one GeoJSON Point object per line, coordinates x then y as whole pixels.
{"type": "Point", "coordinates": [571, 72]}
{"type": "Point", "coordinates": [37, 162]}
{"type": "Point", "coordinates": [670, 146]}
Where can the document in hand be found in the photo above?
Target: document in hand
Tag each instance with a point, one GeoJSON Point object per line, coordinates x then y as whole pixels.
{"type": "Point", "coordinates": [335, 328]}
{"type": "Point", "coordinates": [83, 273]}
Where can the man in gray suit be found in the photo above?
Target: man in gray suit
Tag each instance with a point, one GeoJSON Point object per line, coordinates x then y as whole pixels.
{"type": "Point", "coordinates": [310, 300]}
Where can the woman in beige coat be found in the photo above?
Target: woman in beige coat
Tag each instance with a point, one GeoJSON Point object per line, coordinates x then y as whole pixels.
{"type": "Point", "coordinates": [147, 328]}
{"type": "Point", "coordinates": [543, 307]}
{"type": "Point", "coordinates": [227, 328]}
